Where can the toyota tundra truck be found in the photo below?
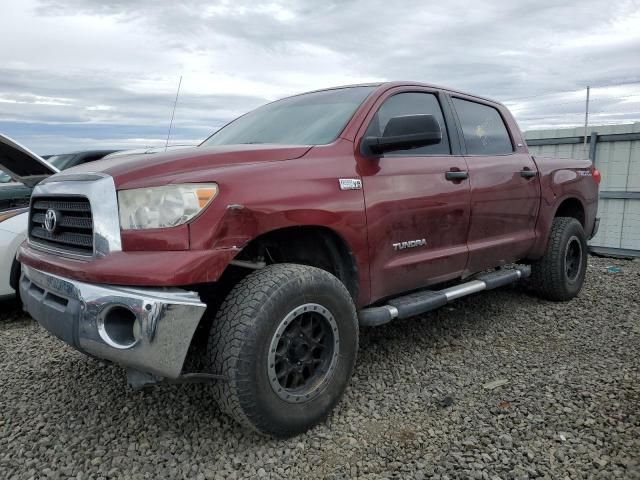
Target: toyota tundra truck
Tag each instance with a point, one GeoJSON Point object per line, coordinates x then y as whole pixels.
{"type": "Point", "coordinates": [252, 260]}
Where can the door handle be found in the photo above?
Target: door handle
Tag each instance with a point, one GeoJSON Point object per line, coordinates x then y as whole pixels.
{"type": "Point", "coordinates": [528, 173]}
{"type": "Point", "coordinates": [454, 175]}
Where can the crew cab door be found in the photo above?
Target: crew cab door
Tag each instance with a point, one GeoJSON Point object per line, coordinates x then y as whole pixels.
{"type": "Point", "coordinates": [505, 185]}
{"type": "Point", "coordinates": [417, 213]}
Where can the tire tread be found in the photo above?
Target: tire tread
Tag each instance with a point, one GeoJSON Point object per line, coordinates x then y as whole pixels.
{"type": "Point", "coordinates": [235, 322]}
{"type": "Point", "coordinates": [547, 280]}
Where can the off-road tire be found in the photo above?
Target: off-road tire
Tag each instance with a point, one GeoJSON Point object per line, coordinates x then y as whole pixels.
{"type": "Point", "coordinates": [549, 277]}
{"type": "Point", "coordinates": [241, 338]}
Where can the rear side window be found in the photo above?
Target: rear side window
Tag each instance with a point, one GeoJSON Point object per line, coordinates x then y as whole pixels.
{"type": "Point", "coordinates": [411, 103]}
{"type": "Point", "coordinates": [483, 129]}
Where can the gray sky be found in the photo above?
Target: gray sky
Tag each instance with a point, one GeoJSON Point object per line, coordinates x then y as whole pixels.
{"type": "Point", "coordinates": [103, 73]}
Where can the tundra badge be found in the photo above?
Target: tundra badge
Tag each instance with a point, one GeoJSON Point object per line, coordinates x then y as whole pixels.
{"type": "Point", "coordinates": [350, 184]}
{"type": "Point", "coordinates": [410, 244]}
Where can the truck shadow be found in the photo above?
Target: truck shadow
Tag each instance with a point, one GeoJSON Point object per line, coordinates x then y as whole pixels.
{"type": "Point", "coordinates": [11, 311]}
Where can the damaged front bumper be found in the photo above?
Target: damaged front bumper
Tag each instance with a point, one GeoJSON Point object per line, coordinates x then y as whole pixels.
{"type": "Point", "coordinates": [145, 329]}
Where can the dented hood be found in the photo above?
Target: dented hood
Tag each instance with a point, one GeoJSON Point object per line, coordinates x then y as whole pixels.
{"type": "Point", "coordinates": [22, 164]}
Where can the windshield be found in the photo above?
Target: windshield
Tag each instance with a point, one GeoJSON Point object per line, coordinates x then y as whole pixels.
{"type": "Point", "coordinates": [61, 161]}
{"type": "Point", "coordinates": [310, 119]}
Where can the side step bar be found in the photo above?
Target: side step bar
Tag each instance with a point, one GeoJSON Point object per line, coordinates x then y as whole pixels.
{"type": "Point", "coordinates": [421, 302]}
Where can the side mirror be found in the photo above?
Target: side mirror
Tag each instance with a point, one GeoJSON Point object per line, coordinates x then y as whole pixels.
{"type": "Point", "coordinates": [402, 133]}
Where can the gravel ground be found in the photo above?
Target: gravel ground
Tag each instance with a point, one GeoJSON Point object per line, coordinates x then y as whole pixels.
{"type": "Point", "coordinates": [499, 385]}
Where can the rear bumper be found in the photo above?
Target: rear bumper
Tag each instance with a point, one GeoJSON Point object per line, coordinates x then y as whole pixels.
{"type": "Point", "coordinates": [142, 328]}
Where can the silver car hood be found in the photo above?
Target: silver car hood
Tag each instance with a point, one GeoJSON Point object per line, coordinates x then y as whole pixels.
{"type": "Point", "coordinates": [22, 164]}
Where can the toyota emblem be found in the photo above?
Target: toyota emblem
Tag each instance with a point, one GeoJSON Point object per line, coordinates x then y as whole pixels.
{"type": "Point", "coordinates": [50, 221]}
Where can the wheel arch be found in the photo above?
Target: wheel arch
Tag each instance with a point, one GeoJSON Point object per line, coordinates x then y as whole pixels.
{"type": "Point", "coordinates": [566, 206]}
{"type": "Point", "coordinates": [313, 245]}
{"type": "Point", "coordinates": [571, 207]}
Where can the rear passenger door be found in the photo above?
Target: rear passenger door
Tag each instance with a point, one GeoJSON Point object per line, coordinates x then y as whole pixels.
{"type": "Point", "coordinates": [505, 186]}
{"type": "Point", "coordinates": [410, 198]}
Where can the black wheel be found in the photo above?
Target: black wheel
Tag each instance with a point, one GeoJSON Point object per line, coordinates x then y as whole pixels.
{"type": "Point", "coordinates": [559, 274]}
{"type": "Point", "coordinates": [286, 338]}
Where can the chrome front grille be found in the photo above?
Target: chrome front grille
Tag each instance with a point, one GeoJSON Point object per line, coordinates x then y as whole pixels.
{"type": "Point", "coordinates": [70, 227]}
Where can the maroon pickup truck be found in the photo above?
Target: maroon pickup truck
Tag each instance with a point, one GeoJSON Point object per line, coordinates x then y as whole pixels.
{"type": "Point", "coordinates": [252, 260]}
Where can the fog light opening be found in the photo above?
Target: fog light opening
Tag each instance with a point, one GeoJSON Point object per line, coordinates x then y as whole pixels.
{"type": "Point", "coordinates": [116, 327]}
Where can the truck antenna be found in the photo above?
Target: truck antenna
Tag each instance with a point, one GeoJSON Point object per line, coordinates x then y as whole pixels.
{"type": "Point", "coordinates": [166, 145]}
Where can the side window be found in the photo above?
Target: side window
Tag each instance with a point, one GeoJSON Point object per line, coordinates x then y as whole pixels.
{"type": "Point", "coordinates": [411, 103]}
{"type": "Point", "coordinates": [483, 129]}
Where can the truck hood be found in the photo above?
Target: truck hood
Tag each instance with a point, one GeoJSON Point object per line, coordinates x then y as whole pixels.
{"type": "Point", "coordinates": [163, 168]}
{"type": "Point", "coordinates": [22, 164]}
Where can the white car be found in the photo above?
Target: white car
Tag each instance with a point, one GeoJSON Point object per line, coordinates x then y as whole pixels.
{"type": "Point", "coordinates": [26, 167]}
{"type": "Point", "coordinates": [13, 231]}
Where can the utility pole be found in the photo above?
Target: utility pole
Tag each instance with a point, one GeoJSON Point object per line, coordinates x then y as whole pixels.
{"type": "Point", "coordinates": [166, 145]}
{"type": "Point", "coordinates": [586, 123]}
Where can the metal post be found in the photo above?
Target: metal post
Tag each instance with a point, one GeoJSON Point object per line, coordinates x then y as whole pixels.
{"type": "Point", "coordinates": [593, 141]}
{"type": "Point", "coordinates": [586, 122]}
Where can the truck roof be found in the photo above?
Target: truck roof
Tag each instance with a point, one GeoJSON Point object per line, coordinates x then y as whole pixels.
{"type": "Point", "coordinates": [401, 83]}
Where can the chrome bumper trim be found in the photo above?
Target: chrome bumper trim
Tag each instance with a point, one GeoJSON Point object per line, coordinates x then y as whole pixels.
{"type": "Point", "coordinates": [165, 319]}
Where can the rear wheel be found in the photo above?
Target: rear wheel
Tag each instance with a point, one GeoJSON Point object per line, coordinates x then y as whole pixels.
{"type": "Point", "coordinates": [286, 338]}
{"type": "Point", "coordinates": [559, 274]}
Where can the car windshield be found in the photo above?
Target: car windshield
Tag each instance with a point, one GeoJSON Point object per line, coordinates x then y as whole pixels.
{"type": "Point", "coordinates": [309, 119]}
{"type": "Point", "coordinates": [61, 161]}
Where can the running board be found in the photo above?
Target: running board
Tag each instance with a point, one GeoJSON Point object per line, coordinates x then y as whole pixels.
{"type": "Point", "coordinates": [424, 301]}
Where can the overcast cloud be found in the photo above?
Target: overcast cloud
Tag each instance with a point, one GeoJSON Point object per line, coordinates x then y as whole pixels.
{"type": "Point", "coordinates": [103, 73]}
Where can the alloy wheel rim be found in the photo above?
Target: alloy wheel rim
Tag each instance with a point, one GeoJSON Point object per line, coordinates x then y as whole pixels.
{"type": "Point", "coordinates": [573, 258]}
{"type": "Point", "coordinates": [303, 353]}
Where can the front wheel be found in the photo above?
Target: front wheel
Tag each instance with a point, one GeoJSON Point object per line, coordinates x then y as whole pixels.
{"type": "Point", "coordinates": [286, 338]}
{"type": "Point", "coordinates": [559, 274]}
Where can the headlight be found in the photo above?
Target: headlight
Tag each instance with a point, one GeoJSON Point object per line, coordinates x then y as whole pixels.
{"type": "Point", "coordinates": [161, 207]}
